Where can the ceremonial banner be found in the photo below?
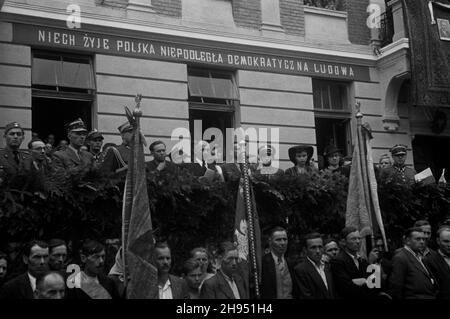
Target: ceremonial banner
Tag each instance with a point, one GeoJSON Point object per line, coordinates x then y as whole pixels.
{"type": "Point", "coordinates": [429, 39]}
{"type": "Point", "coordinates": [363, 209]}
{"type": "Point", "coordinates": [250, 264]}
{"type": "Point", "coordinates": [137, 232]}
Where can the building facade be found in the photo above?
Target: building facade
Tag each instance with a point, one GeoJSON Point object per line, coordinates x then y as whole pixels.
{"type": "Point", "coordinates": [276, 64]}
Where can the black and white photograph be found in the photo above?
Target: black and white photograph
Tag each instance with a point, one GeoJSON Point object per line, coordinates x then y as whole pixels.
{"type": "Point", "coordinates": [237, 152]}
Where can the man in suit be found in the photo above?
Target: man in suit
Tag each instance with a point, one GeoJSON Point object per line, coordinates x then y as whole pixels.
{"type": "Point", "coordinates": [277, 276]}
{"type": "Point", "coordinates": [349, 269]}
{"type": "Point", "coordinates": [90, 282]}
{"type": "Point", "coordinates": [38, 165]}
{"type": "Point", "coordinates": [439, 262]}
{"type": "Point", "coordinates": [226, 283]}
{"type": "Point", "coordinates": [12, 159]}
{"type": "Point", "coordinates": [35, 256]}
{"type": "Point", "coordinates": [169, 286]}
{"type": "Point", "coordinates": [159, 162]}
{"type": "Point", "coordinates": [426, 228]}
{"type": "Point", "coordinates": [313, 277]}
{"type": "Point", "coordinates": [73, 159]}
{"type": "Point", "coordinates": [410, 278]}
{"type": "Point", "coordinates": [116, 158]}
{"type": "Point", "coordinates": [51, 285]}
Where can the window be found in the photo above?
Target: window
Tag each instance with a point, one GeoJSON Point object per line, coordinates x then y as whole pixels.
{"type": "Point", "coordinates": [213, 99]}
{"type": "Point", "coordinates": [330, 95]}
{"type": "Point", "coordinates": [62, 73]}
{"type": "Point", "coordinates": [63, 88]}
{"type": "Point", "coordinates": [332, 116]}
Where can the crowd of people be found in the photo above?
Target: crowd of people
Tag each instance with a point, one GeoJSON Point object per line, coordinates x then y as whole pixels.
{"type": "Point", "coordinates": [85, 152]}
{"type": "Point", "coordinates": [329, 268]}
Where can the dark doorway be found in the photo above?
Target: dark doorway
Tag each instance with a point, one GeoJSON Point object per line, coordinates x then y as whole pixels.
{"type": "Point", "coordinates": [433, 152]}
{"type": "Point", "coordinates": [331, 132]}
{"type": "Point", "coordinates": [49, 115]}
{"type": "Point", "coordinates": [220, 120]}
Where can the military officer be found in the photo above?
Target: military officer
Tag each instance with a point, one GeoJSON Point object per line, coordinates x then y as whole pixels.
{"type": "Point", "coordinates": [73, 158]}
{"type": "Point", "coordinates": [116, 159]}
{"type": "Point", "coordinates": [95, 140]}
{"type": "Point", "coordinates": [399, 170]}
{"type": "Point", "coordinates": [12, 159]}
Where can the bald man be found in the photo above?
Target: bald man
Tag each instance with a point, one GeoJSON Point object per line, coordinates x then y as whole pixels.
{"type": "Point", "coordinates": [51, 285]}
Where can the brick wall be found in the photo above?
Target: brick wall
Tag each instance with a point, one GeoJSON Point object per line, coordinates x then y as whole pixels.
{"type": "Point", "coordinates": [170, 8]}
{"type": "Point", "coordinates": [247, 13]}
{"type": "Point", "coordinates": [358, 32]}
{"type": "Point", "coordinates": [292, 16]}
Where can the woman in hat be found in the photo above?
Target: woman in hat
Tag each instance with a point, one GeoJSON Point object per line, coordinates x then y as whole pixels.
{"type": "Point", "coordinates": [333, 161]}
{"type": "Point", "coordinates": [301, 156]}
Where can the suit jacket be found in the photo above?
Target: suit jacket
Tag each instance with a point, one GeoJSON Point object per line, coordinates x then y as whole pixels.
{"type": "Point", "coordinates": [106, 282]}
{"type": "Point", "coordinates": [68, 160]}
{"type": "Point", "coordinates": [269, 278]}
{"type": "Point", "coordinates": [8, 166]}
{"type": "Point", "coordinates": [441, 271]}
{"type": "Point", "coordinates": [217, 287]}
{"type": "Point", "coordinates": [179, 288]}
{"type": "Point", "coordinates": [194, 168]}
{"type": "Point", "coordinates": [17, 288]}
{"type": "Point", "coordinates": [344, 270]}
{"type": "Point", "coordinates": [409, 280]}
{"type": "Point", "coordinates": [310, 284]}
{"type": "Point", "coordinates": [231, 172]}
{"type": "Point", "coordinates": [36, 177]}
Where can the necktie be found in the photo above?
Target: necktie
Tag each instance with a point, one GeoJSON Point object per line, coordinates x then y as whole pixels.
{"type": "Point", "coordinates": [16, 157]}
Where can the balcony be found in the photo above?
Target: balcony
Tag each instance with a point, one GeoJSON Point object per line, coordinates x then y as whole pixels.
{"type": "Point", "coordinates": [338, 5]}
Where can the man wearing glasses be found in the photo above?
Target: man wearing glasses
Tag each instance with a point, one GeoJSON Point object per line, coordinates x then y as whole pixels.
{"type": "Point", "coordinates": [399, 171]}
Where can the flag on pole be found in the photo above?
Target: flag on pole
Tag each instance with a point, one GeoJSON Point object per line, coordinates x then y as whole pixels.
{"type": "Point", "coordinates": [247, 235]}
{"type": "Point", "coordinates": [363, 208]}
{"type": "Point", "coordinates": [137, 233]}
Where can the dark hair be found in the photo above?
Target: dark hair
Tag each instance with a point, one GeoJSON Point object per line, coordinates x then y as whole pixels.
{"type": "Point", "coordinates": [422, 222]}
{"type": "Point", "coordinates": [199, 249]}
{"type": "Point", "coordinates": [275, 229]}
{"type": "Point", "coordinates": [225, 247]}
{"type": "Point", "coordinates": [312, 236]}
{"type": "Point", "coordinates": [190, 265]}
{"type": "Point", "coordinates": [41, 278]}
{"type": "Point", "coordinates": [27, 247]}
{"type": "Point", "coordinates": [3, 256]}
{"type": "Point", "coordinates": [152, 146]}
{"type": "Point", "coordinates": [56, 242]}
{"type": "Point", "coordinates": [411, 230]}
{"type": "Point", "coordinates": [330, 240]}
{"type": "Point", "coordinates": [91, 247]}
{"type": "Point", "coordinates": [347, 230]}
{"type": "Point", "coordinates": [161, 245]}
{"type": "Point", "coordinates": [30, 143]}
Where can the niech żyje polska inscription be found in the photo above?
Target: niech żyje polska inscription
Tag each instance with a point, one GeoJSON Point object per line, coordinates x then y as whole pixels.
{"type": "Point", "coordinates": [158, 50]}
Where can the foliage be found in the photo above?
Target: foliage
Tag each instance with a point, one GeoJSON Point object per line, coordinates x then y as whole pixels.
{"type": "Point", "coordinates": [188, 213]}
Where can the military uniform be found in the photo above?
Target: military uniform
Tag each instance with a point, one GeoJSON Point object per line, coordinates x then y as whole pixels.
{"type": "Point", "coordinates": [12, 161]}
{"type": "Point", "coordinates": [71, 158]}
{"type": "Point", "coordinates": [93, 135]}
{"type": "Point", "coordinates": [117, 158]}
{"type": "Point", "coordinates": [399, 172]}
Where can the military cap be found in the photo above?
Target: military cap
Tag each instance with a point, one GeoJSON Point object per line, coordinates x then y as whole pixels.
{"type": "Point", "coordinates": [76, 126]}
{"type": "Point", "coordinates": [300, 148]}
{"type": "Point", "coordinates": [94, 134]}
{"type": "Point", "coordinates": [125, 127]}
{"type": "Point", "coordinates": [398, 149]}
{"type": "Point", "coordinates": [12, 125]}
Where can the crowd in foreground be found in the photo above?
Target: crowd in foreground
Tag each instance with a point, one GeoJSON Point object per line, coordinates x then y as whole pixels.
{"type": "Point", "coordinates": [328, 269]}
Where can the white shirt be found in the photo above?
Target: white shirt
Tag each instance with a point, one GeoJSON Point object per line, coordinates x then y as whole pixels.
{"type": "Point", "coordinates": [32, 281]}
{"type": "Point", "coordinates": [166, 291]}
{"type": "Point", "coordinates": [75, 151]}
{"type": "Point", "coordinates": [321, 270]}
{"type": "Point", "coordinates": [280, 262]}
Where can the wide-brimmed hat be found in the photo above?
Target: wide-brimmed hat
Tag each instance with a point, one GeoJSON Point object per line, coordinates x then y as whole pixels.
{"type": "Point", "coordinates": [125, 127]}
{"type": "Point", "coordinates": [300, 148]}
{"type": "Point", "coordinates": [266, 150]}
{"type": "Point", "coordinates": [331, 149]}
